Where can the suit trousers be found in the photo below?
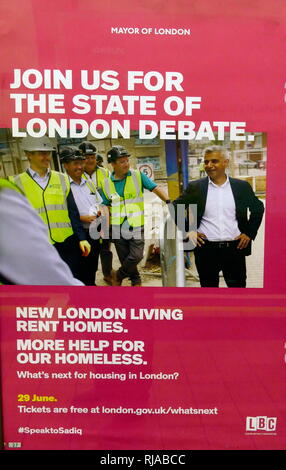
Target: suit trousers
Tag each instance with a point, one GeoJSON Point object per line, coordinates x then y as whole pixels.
{"type": "Point", "coordinates": [89, 264]}
{"type": "Point", "coordinates": [106, 257]}
{"type": "Point", "coordinates": [70, 253]}
{"type": "Point", "coordinates": [213, 257]}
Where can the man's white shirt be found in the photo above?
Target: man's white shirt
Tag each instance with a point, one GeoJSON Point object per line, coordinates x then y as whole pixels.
{"type": "Point", "coordinates": [219, 221]}
{"type": "Point", "coordinates": [41, 180]}
{"type": "Point", "coordinates": [84, 197]}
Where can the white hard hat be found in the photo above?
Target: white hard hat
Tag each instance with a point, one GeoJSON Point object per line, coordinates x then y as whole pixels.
{"type": "Point", "coordinates": [34, 144]}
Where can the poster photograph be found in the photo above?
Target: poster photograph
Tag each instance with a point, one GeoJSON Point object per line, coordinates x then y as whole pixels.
{"type": "Point", "coordinates": [142, 145]}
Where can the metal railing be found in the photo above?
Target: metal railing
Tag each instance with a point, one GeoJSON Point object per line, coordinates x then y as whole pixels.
{"type": "Point", "coordinates": [172, 254]}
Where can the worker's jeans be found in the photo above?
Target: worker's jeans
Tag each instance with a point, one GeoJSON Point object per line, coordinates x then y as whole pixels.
{"type": "Point", "coordinates": [129, 247]}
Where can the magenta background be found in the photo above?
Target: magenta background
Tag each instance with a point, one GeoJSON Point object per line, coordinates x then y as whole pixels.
{"type": "Point", "coordinates": [229, 350]}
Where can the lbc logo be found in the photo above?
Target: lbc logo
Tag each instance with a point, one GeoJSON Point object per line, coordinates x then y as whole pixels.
{"type": "Point", "coordinates": [260, 423]}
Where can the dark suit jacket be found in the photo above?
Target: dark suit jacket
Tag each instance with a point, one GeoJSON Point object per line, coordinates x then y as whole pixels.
{"type": "Point", "coordinates": [244, 197]}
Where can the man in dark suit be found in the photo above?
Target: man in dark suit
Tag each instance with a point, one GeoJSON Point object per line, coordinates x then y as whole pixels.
{"type": "Point", "coordinates": [223, 231]}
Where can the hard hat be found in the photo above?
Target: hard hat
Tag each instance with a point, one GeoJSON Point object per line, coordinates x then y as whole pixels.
{"type": "Point", "coordinates": [87, 148]}
{"type": "Point", "coordinates": [99, 158]}
{"type": "Point", "coordinates": [116, 152]}
{"type": "Point", "coordinates": [37, 144]}
{"type": "Point", "coordinates": [70, 154]}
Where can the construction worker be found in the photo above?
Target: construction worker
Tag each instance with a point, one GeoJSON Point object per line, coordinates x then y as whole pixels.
{"type": "Point", "coordinates": [93, 171]}
{"type": "Point", "coordinates": [32, 260]}
{"type": "Point", "coordinates": [123, 193]}
{"type": "Point", "coordinates": [49, 193]}
{"type": "Point", "coordinates": [99, 161]}
{"type": "Point", "coordinates": [88, 202]}
{"type": "Point", "coordinates": [202, 168]}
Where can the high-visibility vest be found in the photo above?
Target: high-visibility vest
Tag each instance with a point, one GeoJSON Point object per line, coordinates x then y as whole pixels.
{"type": "Point", "coordinates": [131, 205]}
{"type": "Point", "coordinates": [101, 174]}
{"type": "Point", "coordinates": [91, 185]}
{"type": "Point", "coordinates": [50, 203]}
{"type": "Point", "coordinates": [5, 184]}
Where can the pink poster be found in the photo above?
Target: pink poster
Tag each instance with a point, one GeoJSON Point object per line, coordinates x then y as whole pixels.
{"type": "Point", "coordinates": [170, 364]}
